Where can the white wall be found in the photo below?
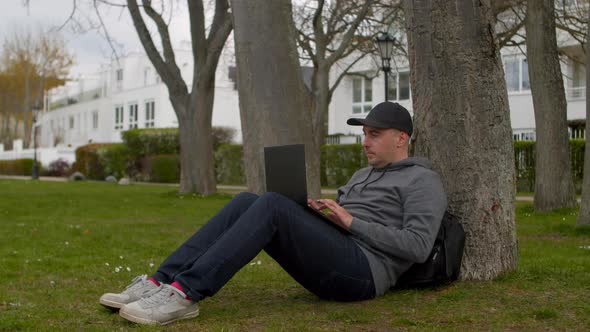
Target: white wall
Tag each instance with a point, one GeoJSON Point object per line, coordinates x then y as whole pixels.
{"type": "Point", "coordinates": [140, 84]}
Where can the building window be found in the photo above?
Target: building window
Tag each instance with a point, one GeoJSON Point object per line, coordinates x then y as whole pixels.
{"type": "Point", "coordinates": [399, 86]}
{"type": "Point", "coordinates": [71, 122]}
{"type": "Point", "coordinates": [517, 74]}
{"type": "Point", "coordinates": [132, 116]}
{"type": "Point", "coordinates": [150, 113]}
{"type": "Point", "coordinates": [119, 74]}
{"type": "Point", "coordinates": [118, 117]}
{"type": "Point", "coordinates": [95, 120]}
{"type": "Point", "coordinates": [362, 94]}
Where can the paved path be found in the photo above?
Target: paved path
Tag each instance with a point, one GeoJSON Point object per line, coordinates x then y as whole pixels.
{"type": "Point", "coordinates": [222, 188]}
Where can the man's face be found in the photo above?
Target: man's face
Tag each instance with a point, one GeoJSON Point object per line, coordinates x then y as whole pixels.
{"type": "Point", "coordinates": [383, 145]}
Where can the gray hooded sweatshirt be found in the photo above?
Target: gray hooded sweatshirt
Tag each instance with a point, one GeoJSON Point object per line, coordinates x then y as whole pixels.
{"type": "Point", "coordinates": [397, 211]}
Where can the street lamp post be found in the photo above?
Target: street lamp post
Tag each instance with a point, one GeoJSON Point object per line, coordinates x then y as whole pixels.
{"type": "Point", "coordinates": [385, 43]}
{"type": "Point", "coordinates": [35, 175]}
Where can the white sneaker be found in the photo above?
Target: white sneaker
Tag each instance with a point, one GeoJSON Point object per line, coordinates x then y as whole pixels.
{"type": "Point", "coordinates": [139, 287]}
{"type": "Point", "coordinates": [168, 305]}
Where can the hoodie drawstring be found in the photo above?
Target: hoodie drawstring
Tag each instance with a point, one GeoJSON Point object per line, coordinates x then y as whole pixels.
{"type": "Point", "coordinates": [354, 185]}
{"type": "Point", "coordinates": [368, 183]}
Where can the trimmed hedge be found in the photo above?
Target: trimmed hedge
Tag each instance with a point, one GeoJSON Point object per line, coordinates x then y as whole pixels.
{"type": "Point", "coordinates": [115, 160]}
{"type": "Point", "coordinates": [147, 142]}
{"type": "Point", "coordinates": [157, 141]}
{"type": "Point", "coordinates": [229, 165]}
{"type": "Point", "coordinates": [18, 167]}
{"type": "Point", "coordinates": [524, 156]}
{"type": "Point", "coordinates": [339, 162]}
{"type": "Point", "coordinates": [164, 168]}
{"type": "Point", "coordinates": [88, 161]}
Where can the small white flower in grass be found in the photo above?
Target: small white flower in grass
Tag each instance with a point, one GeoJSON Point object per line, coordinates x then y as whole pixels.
{"type": "Point", "coordinates": [151, 264]}
{"type": "Point", "coordinates": [107, 264]}
{"type": "Point", "coordinates": [258, 262]}
{"type": "Point", "coordinates": [563, 219]}
{"type": "Point", "coordinates": [253, 263]}
{"type": "Point", "coordinates": [584, 247]}
{"type": "Point", "coordinates": [39, 260]}
{"type": "Point", "coordinates": [128, 269]}
{"type": "Point", "coordinates": [15, 252]}
{"type": "Point", "coordinates": [67, 243]}
{"type": "Point", "coordinates": [121, 257]}
{"type": "Point", "coordinates": [117, 270]}
{"type": "Point", "coordinates": [52, 283]}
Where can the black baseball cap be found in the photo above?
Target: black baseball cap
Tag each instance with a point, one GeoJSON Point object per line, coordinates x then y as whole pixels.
{"type": "Point", "coordinates": [386, 115]}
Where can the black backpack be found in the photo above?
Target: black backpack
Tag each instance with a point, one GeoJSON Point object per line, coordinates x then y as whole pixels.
{"type": "Point", "coordinates": [443, 263]}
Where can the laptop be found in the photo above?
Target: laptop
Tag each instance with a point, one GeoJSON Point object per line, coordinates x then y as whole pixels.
{"type": "Point", "coordinates": [284, 166]}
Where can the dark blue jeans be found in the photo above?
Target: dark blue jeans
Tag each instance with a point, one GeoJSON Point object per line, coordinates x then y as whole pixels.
{"type": "Point", "coordinates": [316, 254]}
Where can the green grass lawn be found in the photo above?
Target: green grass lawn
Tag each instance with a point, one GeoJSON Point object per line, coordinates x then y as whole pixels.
{"type": "Point", "coordinates": [60, 244]}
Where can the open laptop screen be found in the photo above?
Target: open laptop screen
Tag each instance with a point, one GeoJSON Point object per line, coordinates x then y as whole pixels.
{"type": "Point", "coordinates": [285, 171]}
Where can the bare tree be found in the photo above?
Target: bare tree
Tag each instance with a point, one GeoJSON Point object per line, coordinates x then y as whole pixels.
{"type": "Point", "coordinates": [274, 105]}
{"type": "Point", "coordinates": [462, 123]}
{"type": "Point", "coordinates": [554, 185]}
{"type": "Point", "coordinates": [193, 109]}
{"type": "Point", "coordinates": [584, 214]}
{"type": "Point", "coordinates": [334, 34]}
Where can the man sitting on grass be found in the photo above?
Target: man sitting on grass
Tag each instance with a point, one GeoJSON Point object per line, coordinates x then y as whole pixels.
{"type": "Point", "coordinates": [390, 213]}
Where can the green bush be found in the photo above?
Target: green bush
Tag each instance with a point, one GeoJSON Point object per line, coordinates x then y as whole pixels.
{"type": "Point", "coordinates": [222, 135]}
{"type": "Point", "coordinates": [577, 157]}
{"type": "Point", "coordinates": [115, 160]}
{"type": "Point", "coordinates": [339, 162]}
{"type": "Point", "coordinates": [155, 141]}
{"type": "Point", "coordinates": [88, 161]}
{"type": "Point", "coordinates": [524, 158]}
{"type": "Point", "coordinates": [229, 166]}
{"type": "Point", "coordinates": [164, 168]}
{"type": "Point", "coordinates": [18, 167]}
{"type": "Point", "coordinates": [148, 142]}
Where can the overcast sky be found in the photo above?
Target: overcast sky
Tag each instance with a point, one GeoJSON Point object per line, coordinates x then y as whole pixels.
{"type": "Point", "coordinates": [90, 48]}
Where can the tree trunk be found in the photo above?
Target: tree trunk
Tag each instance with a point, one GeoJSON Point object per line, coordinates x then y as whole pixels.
{"type": "Point", "coordinates": [584, 214]}
{"type": "Point", "coordinates": [274, 107]}
{"type": "Point", "coordinates": [197, 172]}
{"type": "Point", "coordinates": [554, 185]}
{"type": "Point", "coordinates": [26, 107]}
{"type": "Point", "coordinates": [321, 101]}
{"type": "Point", "coordinates": [194, 109]}
{"type": "Point", "coordinates": [462, 124]}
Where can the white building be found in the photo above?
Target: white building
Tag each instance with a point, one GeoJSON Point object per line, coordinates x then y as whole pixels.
{"type": "Point", "coordinates": [356, 94]}
{"type": "Point", "coordinates": [124, 95]}
{"type": "Point", "coordinates": [129, 94]}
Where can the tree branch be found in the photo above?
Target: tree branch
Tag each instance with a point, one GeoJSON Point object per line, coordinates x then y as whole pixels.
{"type": "Point", "coordinates": [346, 39]}
{"type": "Point", "coordinates": [220, 30]}
{"type": "Point", "coordinates": [171, 77]}
{"type": "Point", "coordinates": [344, 73]}
{"type": "Point", "coordinates": [163, 31]}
